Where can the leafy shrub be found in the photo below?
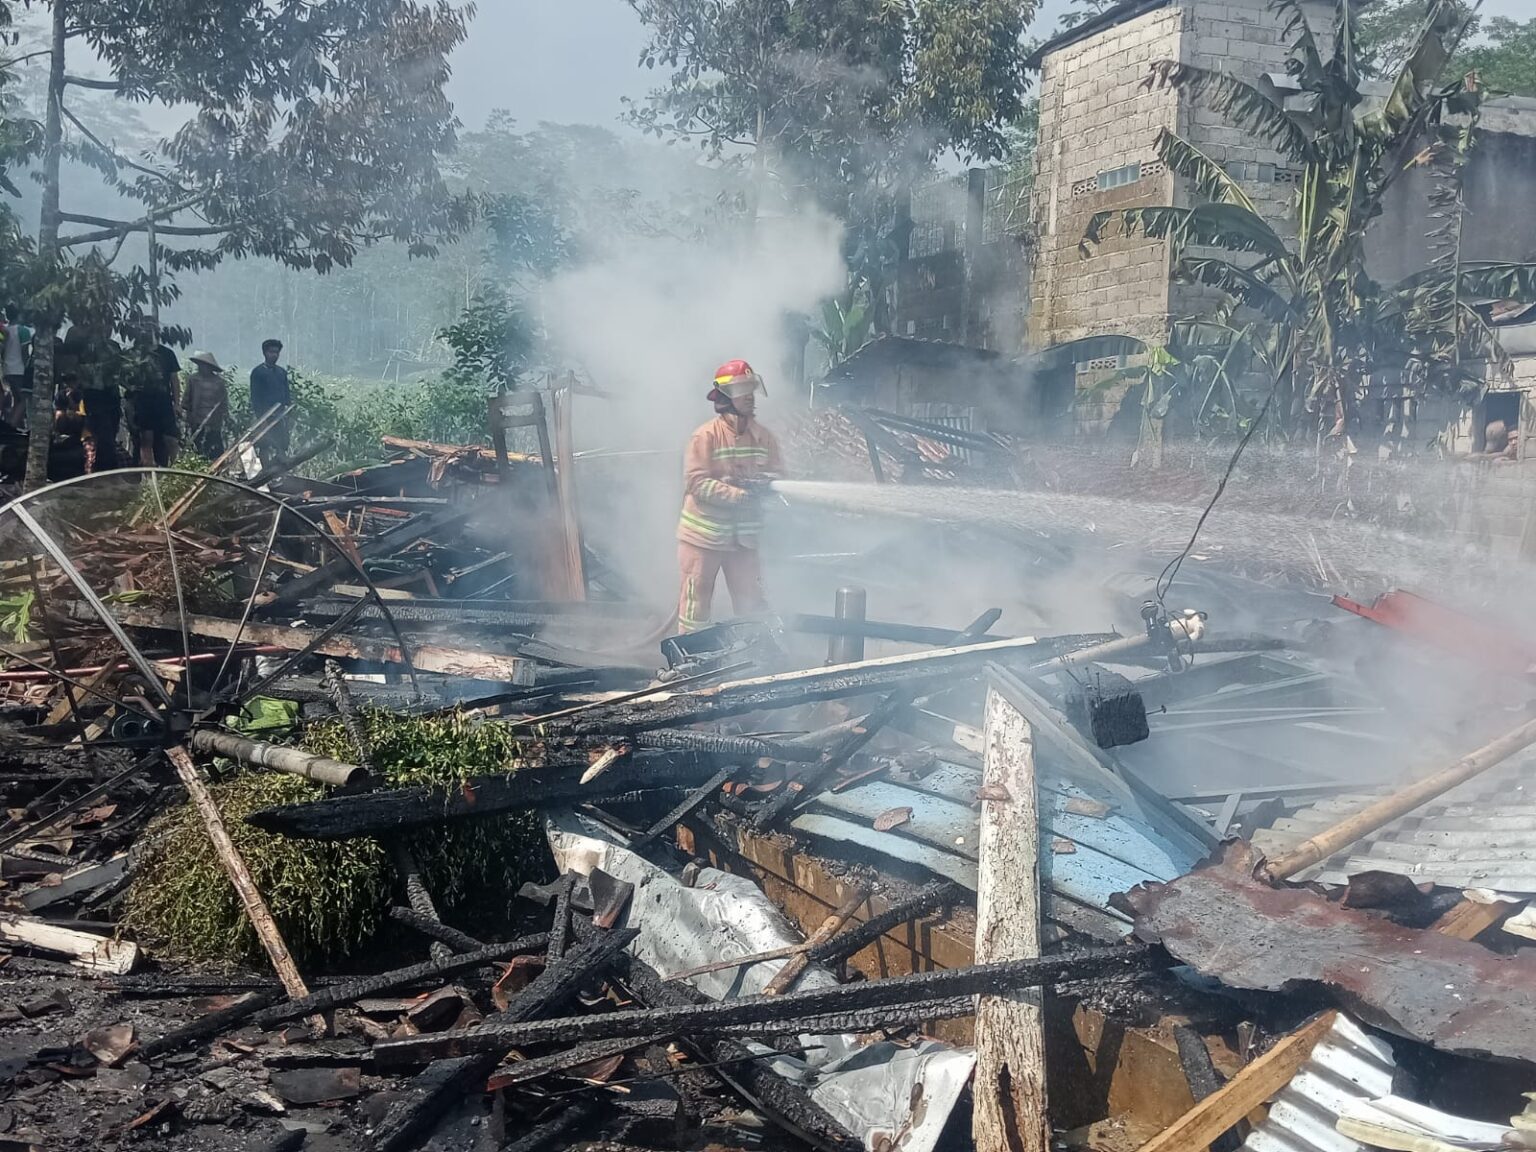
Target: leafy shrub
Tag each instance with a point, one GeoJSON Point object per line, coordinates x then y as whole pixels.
{"type": "Point", "coordinates": [330, 898]}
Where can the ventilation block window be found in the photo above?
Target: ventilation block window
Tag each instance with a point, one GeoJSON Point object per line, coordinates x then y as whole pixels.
{"type": "Point", "coordinates": [1119, 177]}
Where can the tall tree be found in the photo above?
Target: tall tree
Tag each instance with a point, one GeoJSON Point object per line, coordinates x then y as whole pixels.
{"type": "Point", "coordinates": [1325, 324]}
{"type": "Point", "coordinates": [1502, 51]}
{"type": "Point", "coordinates": [312, 131]}
{"type": "Point", "coordinates": [842, 103]}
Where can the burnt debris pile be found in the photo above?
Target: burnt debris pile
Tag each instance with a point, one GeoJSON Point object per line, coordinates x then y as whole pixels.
{"type": "Point", "coordinates": [378, 812]}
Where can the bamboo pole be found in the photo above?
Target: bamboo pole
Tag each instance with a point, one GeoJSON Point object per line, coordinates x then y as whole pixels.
{"type": "Point", "coordinates": [287, 760]}
{"type": "Point", "coordinates": [1378, 815]}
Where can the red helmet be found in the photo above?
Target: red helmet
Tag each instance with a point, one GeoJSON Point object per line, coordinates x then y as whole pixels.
{"type": "Point", "coordinates": [733, 380]}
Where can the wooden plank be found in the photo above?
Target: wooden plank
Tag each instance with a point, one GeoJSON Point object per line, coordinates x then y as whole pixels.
{"type": "Point", "coordinates": [561, 400]}
{"type": "Point", "coordinates": [1255, 1084]}
{"type": "Point", "coordinates": [470, 663]}
{"type": "Point", "coordinates": [1469, 919]}
{"type": "Point", "coordinates": [240, 876]}
{"type": "Point", "coordinates": [100, 955]}
{"type": "Point", "coordinates": [1010, 1090]}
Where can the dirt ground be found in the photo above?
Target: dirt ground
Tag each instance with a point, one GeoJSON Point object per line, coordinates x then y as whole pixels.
{"type": "Point", "coordinates": [227, 1098]}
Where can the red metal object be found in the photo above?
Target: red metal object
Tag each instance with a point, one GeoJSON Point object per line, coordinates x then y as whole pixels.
{"type": "Point", "coordinates": [1448, 630]}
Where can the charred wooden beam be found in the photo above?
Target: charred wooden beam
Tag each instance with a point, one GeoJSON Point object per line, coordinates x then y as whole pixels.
{"type": "Point", "coordinates": [786, 690]}
{"type": "Point", "coordinates": [339, 994]}
{"type": "Point", "coordinates": [434, 1090]}
{"type": "Point", "coordinates": [860, 1020]}
{"type": "Point", "coordinates": [560, 927]}
{"type": "Point", "coordinates": [525, 1071]}
{"type": "Point", "coordinates": [988, 978]}
{"type": "Point", "coordinates": [710, 787]}
{"type": "Point", "coordinates": [404, 809]}
{"type": "Point", "coordinates": [561, 1125]}
{"type": "Point", "coordinates": [930, 899]}
{"type": "Point", "coordinates": [212, 1024]}
{"type": "Point", "coordinates": [815, 779]}
{"type": "Point", "coordinates": [434, 928]}
{"type": "Point", "coordinates": [424, 1100]}
{"type": "Point", "coordinates": [786, 1104]}
{"type": "Point", "coordinates": [416, 894]}
{"type": "Point", "coordinates": [744, 748]}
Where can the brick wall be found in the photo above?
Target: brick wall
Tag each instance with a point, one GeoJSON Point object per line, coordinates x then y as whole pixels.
{"type": "Point", "coordinates": [1244, 37]}
{"type": "Point", "coordinates": [1096, 118]}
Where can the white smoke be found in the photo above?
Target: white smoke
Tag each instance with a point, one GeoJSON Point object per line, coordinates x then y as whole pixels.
{"type": "Point", "coordinates": [652, 321]}
{"type": "Point", "coordinates": [648, 324]}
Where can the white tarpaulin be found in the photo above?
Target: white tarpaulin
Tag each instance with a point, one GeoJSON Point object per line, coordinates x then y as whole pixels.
{"type": "Point", "coordinates": [869, 1088]}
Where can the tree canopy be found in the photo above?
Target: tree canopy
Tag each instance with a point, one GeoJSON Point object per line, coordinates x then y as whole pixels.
{"type": "Point", "coordinates": [838, 103]}
{"type": "Point", "coordinates": [311, 132]}
{"type": "Point", "coordinates": [1500, 50]}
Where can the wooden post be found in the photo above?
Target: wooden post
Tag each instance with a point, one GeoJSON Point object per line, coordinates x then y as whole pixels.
{"type": "Point", "coordinates": [562, 400]}
{"type": "Point", "coordinates": [1010, 1113]}
{"type": "Point", "coordinates": [240, 876]}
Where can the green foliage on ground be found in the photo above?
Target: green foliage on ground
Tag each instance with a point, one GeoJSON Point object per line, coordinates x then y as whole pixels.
{"type": "Point", "coordinates": [329, 899]}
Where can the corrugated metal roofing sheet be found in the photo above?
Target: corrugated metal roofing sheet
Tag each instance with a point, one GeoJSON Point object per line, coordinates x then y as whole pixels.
{"type": "Point", "coordinates": [1085, 858]}
{"type": "Point", "coordinates": [1482, 835]}
{"type": "Point", "coordinates": [1346, 1066]}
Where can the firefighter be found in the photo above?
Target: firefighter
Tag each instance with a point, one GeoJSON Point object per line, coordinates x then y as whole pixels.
{"type": "Point", "coordinates": [731, 462]}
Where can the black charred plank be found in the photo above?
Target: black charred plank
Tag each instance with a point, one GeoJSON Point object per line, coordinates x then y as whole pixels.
{"type": "Point", "coordinates": [693, 800]}
{"type": "Point", "coordinates": [855, 940]}
{"type": "Point", "coordinates": [432, 1092]}
{"type": "Point", "coordinates": [786, 1104]}
{"type": "Point", "coordinates": [989, 979]}
{"type": "Point", "coordinates": [210, 1025]}
{"type": "Point", "coordinates": [432, 927]}
{"type": "Point", "coordinates": [346, 993]}
{"type": "Point", "coordinates": [406, 809]}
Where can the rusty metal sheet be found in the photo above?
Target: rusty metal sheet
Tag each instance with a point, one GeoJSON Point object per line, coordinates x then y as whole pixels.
{"type": "Point", "coordinates": [1452, 994]}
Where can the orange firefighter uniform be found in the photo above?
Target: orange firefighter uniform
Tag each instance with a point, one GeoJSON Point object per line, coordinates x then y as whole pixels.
{"type": "Point", "coordinates": [728, 461]}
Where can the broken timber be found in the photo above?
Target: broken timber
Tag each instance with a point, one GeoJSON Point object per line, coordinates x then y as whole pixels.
{"type": "Point", "coordinates": [814, 779]}
{"type": "Point", "coordinates": [435, 929]}
{"type": "Point", "coordinates": [240, 877]}
{"type": "Point", "coordinates": [86, 950]}
{"type": "Point", "coordinates": [927, 986]}
{"type": "Point", "coordinates": [785, 1103]}
{"type": "Point", "coordinates": [1010, 1111]}
{"type": "Point", "coordinates": [430, 1093]}
{"type": "Point", "coordinates": [1203, 1124]}
{"type": "Point", "coordinates": [338, 994]}
{"type": "Point", "coordinates": [468, 663]}
{"type": "Point", "coordinates": [810, 685]}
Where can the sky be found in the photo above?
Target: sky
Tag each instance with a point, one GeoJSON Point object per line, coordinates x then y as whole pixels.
{"type": "Point", "coordinates": [573, 61]}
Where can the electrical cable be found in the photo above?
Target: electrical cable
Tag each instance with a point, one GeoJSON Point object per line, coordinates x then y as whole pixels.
{"type": "Point", "coordinates": [1171, 572]}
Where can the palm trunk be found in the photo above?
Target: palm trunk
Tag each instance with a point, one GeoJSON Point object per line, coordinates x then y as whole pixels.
{"type": "Point", "coordinates": [40, 412]}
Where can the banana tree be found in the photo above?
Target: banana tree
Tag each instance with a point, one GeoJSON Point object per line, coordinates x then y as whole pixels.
{"type": "Point", "coordinates": [1328, 325]}
{"type": "Point", "coordinates": [846, 324]}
